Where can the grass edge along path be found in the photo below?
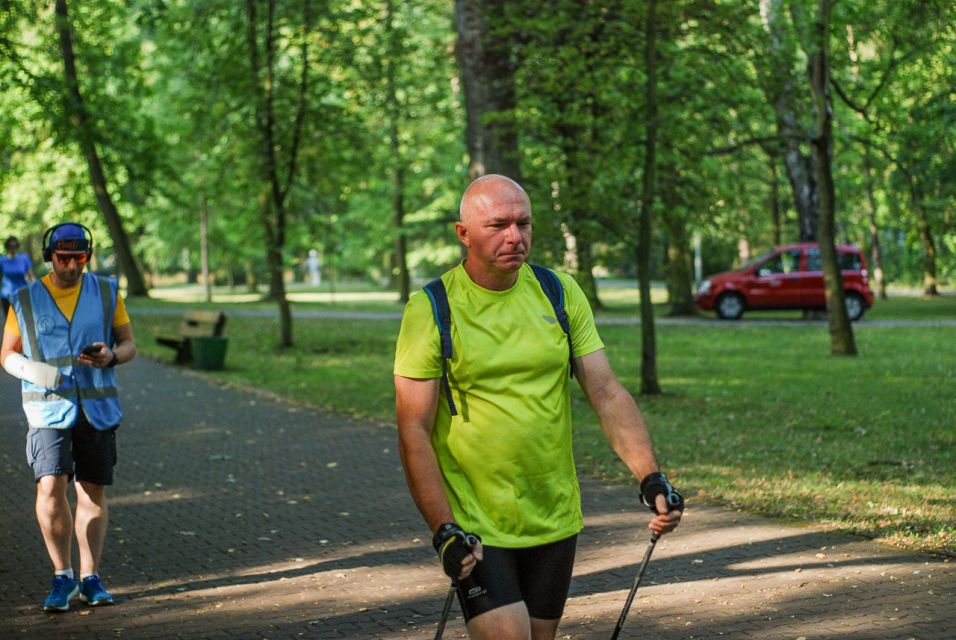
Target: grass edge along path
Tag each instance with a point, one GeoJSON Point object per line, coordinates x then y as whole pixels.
{"type": "Point", "coordinates": [756, 418]}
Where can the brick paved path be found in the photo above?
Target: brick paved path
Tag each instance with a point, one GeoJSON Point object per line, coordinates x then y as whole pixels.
{"type": "Point", "coordinates": [237, 516]}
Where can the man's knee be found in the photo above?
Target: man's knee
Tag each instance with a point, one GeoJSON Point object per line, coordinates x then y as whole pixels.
{"type": "Point", "coordinates": [90, 491]}
{"type": "Point", "coordinates": [544, 629]}
{"type": "Point", "coordinates": [52, 486]}
{"type": "Point", "coordinates": [509, 622]}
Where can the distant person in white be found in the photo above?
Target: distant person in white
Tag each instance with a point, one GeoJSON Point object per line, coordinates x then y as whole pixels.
{"type": "Point", "coordinates": [314, 266]}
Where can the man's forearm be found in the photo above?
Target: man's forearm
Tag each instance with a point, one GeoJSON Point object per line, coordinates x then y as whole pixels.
{"type": "Point", "coordinates": [625, 429]}
{"type": "Point", "coordinates": [425, 482]}
{"type": "Point", "coordinates": [125, 351]}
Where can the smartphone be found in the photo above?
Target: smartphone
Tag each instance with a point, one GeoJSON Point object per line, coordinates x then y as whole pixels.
{"type": "Point", "coordinates": [90, 350]}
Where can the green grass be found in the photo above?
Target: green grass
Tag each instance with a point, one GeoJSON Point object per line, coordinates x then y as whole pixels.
{"type": "Point", "coordinates": [760, 418]}
{"type": "Point", "coordinates": [763, 419]}
{"type": "Point", "coordinates": [914, 308]}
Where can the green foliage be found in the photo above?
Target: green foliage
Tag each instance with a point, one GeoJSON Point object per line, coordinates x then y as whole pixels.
{"type": "Point", "coordinates": [171, 91]}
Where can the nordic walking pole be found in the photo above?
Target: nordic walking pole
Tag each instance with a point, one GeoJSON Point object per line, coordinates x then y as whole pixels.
{"type": "Point", "coordinates": [637, 582]}
{"type": "Point", "coordinates": [445, 612]}
{"type": "Point", "coordinates": [470, 541]}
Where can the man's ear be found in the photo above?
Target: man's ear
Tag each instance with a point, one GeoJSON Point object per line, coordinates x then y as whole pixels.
{"type": "Point", "coordinates": [462, 232]}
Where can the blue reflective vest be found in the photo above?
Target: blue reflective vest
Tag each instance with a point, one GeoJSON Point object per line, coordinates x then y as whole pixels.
{"type": "Point", "coordinates": [49, 337]}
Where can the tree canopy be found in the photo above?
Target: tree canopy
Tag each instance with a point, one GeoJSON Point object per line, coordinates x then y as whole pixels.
{"type": "Point", "coordinates": [342, 126]}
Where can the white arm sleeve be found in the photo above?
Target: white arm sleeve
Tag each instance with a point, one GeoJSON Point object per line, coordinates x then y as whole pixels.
{"type": "Point", "coordinates": [39, 373]}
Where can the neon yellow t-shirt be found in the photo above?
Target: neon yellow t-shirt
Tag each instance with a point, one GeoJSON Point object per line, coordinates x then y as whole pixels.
{"type": "Point", "coordinates": [506, 458]}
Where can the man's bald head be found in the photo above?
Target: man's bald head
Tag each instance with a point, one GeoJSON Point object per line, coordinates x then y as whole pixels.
{"type": "Point", "coordinates": [487, 190]}
{"type": "Point", "coordinates": [495, 228]}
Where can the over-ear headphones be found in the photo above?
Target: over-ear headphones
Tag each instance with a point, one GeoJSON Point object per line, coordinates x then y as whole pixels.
{"type": "Point", "coordinates": [48, 238]}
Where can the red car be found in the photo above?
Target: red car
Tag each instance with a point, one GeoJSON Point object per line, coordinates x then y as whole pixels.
{"type": "Point", "coordinates": [788, 277]}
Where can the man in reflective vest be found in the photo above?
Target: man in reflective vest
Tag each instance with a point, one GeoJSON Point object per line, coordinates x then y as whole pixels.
{"type": "Point", "coordinates": [63, 337]}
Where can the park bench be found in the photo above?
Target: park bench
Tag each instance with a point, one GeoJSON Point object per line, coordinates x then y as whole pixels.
{"type": "Point", "coordinates": [195, 323]}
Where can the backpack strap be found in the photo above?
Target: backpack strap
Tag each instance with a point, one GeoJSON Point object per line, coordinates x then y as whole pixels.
{"type": "Point", "coordinates": [439, 299]}
{"type": "Point", "coordinates": [555, 292]}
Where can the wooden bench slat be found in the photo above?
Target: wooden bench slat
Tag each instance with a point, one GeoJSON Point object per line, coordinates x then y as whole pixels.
{"type": "Point", "coordinates": [202, 315]}
{"type": "Point", "coordinates": [189, 331]}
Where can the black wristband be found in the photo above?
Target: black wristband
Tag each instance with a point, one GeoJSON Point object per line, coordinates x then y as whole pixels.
{"type": "Point", "coordinates": [114, 361]}
{"type": "Point", "coordinates": [453, 546]}
{"type": "Point", "coordinates": [444, 532]}
{"type": "Point", "coordinates": [655, 484]}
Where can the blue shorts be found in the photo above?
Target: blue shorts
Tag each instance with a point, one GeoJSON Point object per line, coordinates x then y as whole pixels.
{"type": "Point", "coordinates": [538, 576]}
{"type": "Point", "coordinates": [82, 451]}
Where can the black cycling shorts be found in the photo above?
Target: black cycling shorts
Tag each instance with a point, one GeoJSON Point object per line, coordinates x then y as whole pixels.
{"type": "Point", "coordinates": [539, 576]}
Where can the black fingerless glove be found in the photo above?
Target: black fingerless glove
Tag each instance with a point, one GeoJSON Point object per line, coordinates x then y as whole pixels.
{"type": "Point", "coordinates": [655, 484]}
{"type": "Point", "coordinates": [453, 545]}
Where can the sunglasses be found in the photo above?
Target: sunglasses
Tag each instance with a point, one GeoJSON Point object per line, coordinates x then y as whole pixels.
{"type": "Point", "coordinates": [64, 258]}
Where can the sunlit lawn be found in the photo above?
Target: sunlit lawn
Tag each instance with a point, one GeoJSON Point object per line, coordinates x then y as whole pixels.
{"type": "Point", "coordinates": [757, 417]}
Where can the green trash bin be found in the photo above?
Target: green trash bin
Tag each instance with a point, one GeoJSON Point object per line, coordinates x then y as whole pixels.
{"type": "Point", "coordinates": [209, 352]}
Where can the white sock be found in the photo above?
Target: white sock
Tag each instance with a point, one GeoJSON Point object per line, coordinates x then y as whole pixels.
{"type": "Point", "coordinates": [87, 575]}
{"type": "Point", "coordinates": [65, 572]}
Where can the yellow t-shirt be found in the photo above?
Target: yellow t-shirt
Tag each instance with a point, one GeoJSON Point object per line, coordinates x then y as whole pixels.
{"type": "Point", "coordinates": [66, 299]}
{"type": "Point", "coordinates": [506, 459]}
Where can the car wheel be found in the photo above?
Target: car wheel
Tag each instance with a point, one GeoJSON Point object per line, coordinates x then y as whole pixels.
{"type": "Point", "coordinates": [730, 306]}
{"type": "Point", "coordinates": [854, 305]}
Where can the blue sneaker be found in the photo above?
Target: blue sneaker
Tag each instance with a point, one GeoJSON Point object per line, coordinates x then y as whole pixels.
{"type": "Point", "coordinates": [61, 592]}
{"type": "Point", "coordinates": [93, 593]}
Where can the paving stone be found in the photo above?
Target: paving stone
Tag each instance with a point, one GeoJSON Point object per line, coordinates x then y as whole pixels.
{"type": "Point", "coordinates": [238, 516]}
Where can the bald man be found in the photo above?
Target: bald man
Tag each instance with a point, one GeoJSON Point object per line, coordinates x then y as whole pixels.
{"type": "Point", "coordinates": [491, 469]}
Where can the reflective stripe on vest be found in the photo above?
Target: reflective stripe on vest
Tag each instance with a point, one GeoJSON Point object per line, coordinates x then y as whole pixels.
{"type": "Point", "coordinates": [49, 337]}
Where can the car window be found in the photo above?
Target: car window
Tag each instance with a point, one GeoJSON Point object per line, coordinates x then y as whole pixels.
{"type": "Point", "coordinates": [848, 261]}
{"type": "Point", "coordinates": [755, 261]}
{"type": "Point", "coordinates": [791, 260]}
{"type": "Point", "coordinates": [784, 262]}
{"type": "Point", "coordinates": [771, 266]}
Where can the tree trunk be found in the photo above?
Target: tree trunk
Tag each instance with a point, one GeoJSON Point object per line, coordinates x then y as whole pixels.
{"type": "Point", "coordinates": [274, 261]}
{"type": "Point", "coordinates": [135, 284]}
{"type": "Point", "coordinates": [876, 256]}
{"type": "Point", "coordinates": [400, 276]}
{"type": "Point", "coordinates": [680, 269]}
{"type": "Point", "coordinates": [775, 223]}
{"type": "Point", "coordinates": [680, 274]}
{"type": "Point", "coordinates": [841, 333]}
{"type": "Point", "coordinates": [649, 382]}
{"type": "Point", "coordinates": [782, 94]}
{"type": "Point", "coordinates": [204, 248]}
{"type": "Point", "coordinates": [574, 142]}
{"type": "Point", "coordinates": [584, 252]}
{"type": "Point", "coordinates": [487, 80]}
{"type": "Point", "coordinates": [572, 204]}
{"type": "Point", "coordinates": [400, 258]}
{"type": "Point", "coordinates": [930, 287]}
{"type": "Point", "coordinates": [273, 197]}
{"type": "Point", "coordinates": [252, 280]}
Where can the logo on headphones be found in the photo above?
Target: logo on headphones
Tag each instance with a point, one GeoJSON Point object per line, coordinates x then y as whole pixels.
{"type": "Point", "coordinates": [70, 245]}
{"type": "Point", "coordinates": [45, 325]}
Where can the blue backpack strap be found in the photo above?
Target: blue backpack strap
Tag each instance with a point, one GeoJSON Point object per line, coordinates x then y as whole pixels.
{"type": "Point", "coordinates": [555, 292]}
{"type": "Point", "coordinates": [439, 299]}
